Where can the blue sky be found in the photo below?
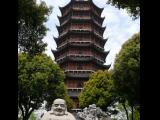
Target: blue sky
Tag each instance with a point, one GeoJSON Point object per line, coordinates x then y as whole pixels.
{"type": "Point", "coordinates": [119, 27]}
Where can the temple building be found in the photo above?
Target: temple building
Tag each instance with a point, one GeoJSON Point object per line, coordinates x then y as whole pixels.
{"type": "Point", "coordinates": [80, 45]}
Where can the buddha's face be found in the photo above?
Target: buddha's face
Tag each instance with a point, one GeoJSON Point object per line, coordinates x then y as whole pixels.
{"type": "Point", "coordinates": [59, 107]}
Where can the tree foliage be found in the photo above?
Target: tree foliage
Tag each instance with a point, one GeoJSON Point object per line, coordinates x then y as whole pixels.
{"type": "Point", "coordinates": [31, 28]}
{"type": "Point", "coordinates": [132, 6]}
{"type": "Point", "coordinates": [136, 115]}
{"type": "Point", "coordinates": [39, 79]}
{"type": "Point", "coordinates": [98, 90]}
{"type": "Point", "coordinates": [126, 71]}
{"type": "Point", "coordinates": [69, 102]}
{"type": "Point", "coordinates": [32, 117]}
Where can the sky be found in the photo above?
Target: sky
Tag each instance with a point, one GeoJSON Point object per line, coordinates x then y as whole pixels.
{"type": "Point", "coordinates": [119, 27]}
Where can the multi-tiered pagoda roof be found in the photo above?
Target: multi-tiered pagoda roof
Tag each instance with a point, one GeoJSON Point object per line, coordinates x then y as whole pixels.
{"type": "Point", "coordinates": [80, 45]}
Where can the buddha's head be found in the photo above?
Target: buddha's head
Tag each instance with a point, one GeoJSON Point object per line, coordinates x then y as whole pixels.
{"type": "Point", "coordinates": [59, 107]}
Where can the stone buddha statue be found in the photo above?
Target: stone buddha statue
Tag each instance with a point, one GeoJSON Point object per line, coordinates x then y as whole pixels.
{"type": "Point", "coordinates": [58, 111]}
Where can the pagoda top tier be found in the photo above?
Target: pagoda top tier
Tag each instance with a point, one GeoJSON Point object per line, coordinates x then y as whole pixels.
{"type": "Point", "coordinates": [64, 8]}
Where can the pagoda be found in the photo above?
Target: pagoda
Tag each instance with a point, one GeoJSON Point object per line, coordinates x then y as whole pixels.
{"type": "Point", "coordinates": [80, 45]}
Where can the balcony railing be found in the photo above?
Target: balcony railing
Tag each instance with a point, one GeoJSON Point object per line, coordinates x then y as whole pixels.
{"type": "Point", "coordinates": [79, 57]}
{"type": "Point", "coordinates": [80, 29]}
{"type": "Point", "coordinates": [80, 43]}
{"type": "Point", "coordinates": [77, 89]}
{"type": "Point", "coordinates": [74, 92]}
{"type": "Point", "coordinates": [76, 43]}
{"type": "Point", "coordinates": [76, 29]}
{"type": "Point", "coordinates": [80, 8]}
{"type": "Point", "coordinates": [74, 17]}
{"type": "Point", "coordinates": [81, 17]}
{"type": "Point", "coordinates": [78, 73]}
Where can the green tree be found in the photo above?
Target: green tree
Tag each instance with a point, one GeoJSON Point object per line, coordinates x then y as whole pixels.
{"type": "Point", "coordinates": [36, 76]}
{"type": "Point", "coordinates": [32, 117]}
{"type": "Point", "coordinates": [54, 90]}
{"type": "Point", "coordinates": [31, 28]}
{"type": "Point", "coordinates": [132, 6]}
{"type": "Point", "coordinates": [69, 102]}
{"type": "Point", "coordinates": [126, 73]}
{"type": "Point", "coordinates": [98, 90]}
{"type": "Point", "coordinates": [117, 110]}
{"type": "Point", "coordinates": [136, 114]}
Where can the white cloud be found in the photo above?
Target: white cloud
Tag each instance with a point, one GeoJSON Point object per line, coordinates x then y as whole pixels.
{"type": "Point", "coordinates": [119, 27]}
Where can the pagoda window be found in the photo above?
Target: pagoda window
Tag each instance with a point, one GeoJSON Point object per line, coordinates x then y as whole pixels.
{"type": "Point", "coordinates": [80, 38]}
{"type": "Point", "coordinates": [79, 67]}
{"type": "Point", "coordinates": [71, 84]}
{"type": "Point", "coordinates": [64, 66]}
{"type": "Point", "coordinates": [80, 52]}
{"type": "Point", "coordinates": [79, 84]}
{"type": "Point", "coordinates": [80, 26]}
{"type": "Point", "coordinates": [79, 14]}
{"type": "Point", "coordinates": [80, 6]}
{"type": "Point", "coordinates": [86, 13]}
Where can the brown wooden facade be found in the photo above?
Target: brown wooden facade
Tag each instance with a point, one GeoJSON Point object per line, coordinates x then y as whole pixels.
{"type": "Point", "coordinates": [80, 45]}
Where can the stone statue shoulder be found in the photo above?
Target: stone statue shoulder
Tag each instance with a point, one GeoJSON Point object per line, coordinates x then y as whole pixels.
{"type": "Point", "coordinates": [71, 116]}
{"type": "Point", "coordinates": [46, 115]}
{"type": "Point", "coordinates": [50, 116]}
